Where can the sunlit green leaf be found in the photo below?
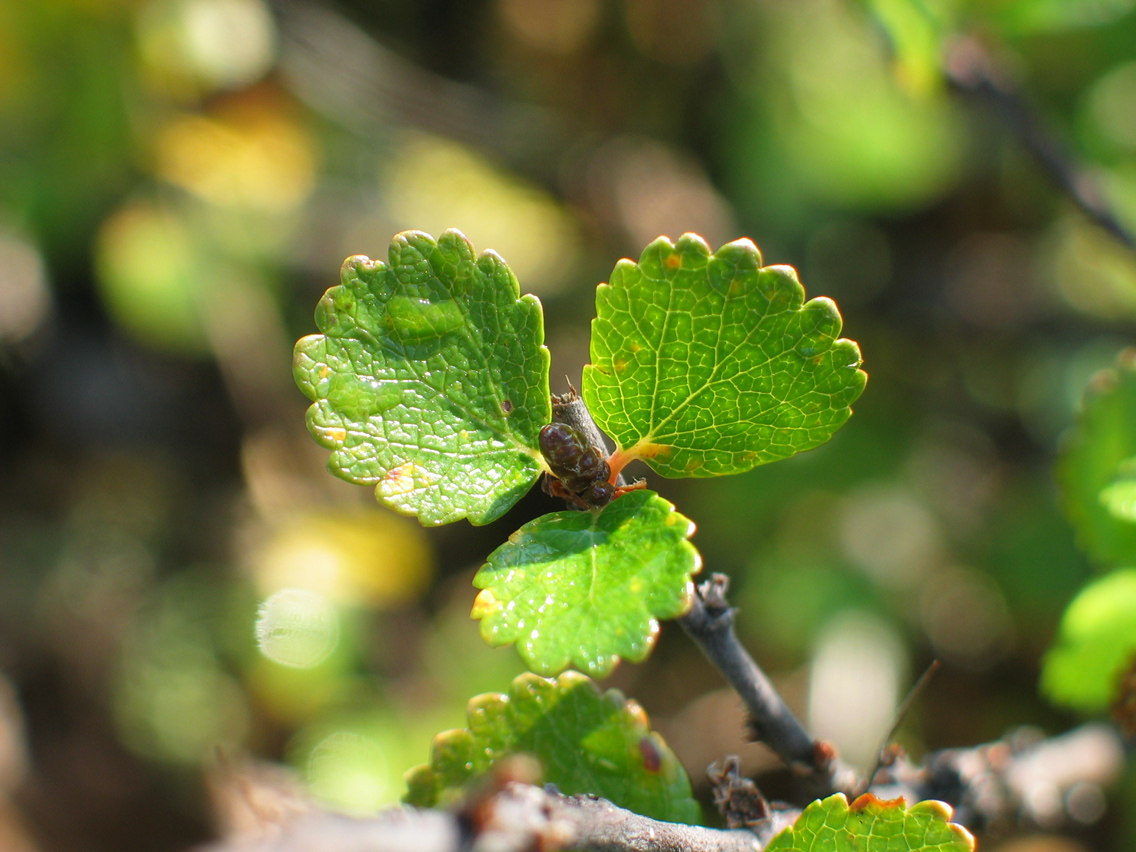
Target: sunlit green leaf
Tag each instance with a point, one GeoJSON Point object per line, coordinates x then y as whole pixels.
{"type": "Point", "coordinates": [1119, 496]}
{"type": "Point", "coordinates": [586, 742]}
{"type": "Point", "coordinates": [1095, 464]}
{"type": "Point", "coordinates": [429, 380]}
{"type": "Point", "coordinates": [587, 588]}
{"type": "Point", "coordinates": [1096, 642]}
{"type": "Point", "coordinates": [873, 825]}
{"type": "Point", "coordinates": [708, 364]}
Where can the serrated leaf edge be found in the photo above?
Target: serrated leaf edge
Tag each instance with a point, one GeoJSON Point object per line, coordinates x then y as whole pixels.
{"type": "Point", "coordinates": [645, 448]}
{"type": "Point", "coordinates": [869, 802]}
{"type": "Point", "coordinates": [326, 437]}
{"type": "Point", "coordinates": [485, 603]}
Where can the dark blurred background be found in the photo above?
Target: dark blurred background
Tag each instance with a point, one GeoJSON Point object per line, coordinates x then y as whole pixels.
{"type": "Point", "coordinates": [179, 182]}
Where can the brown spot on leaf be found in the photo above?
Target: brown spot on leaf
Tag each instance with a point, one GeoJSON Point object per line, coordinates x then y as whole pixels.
{"type": "Point", "coordinates": [673, 261]}
{"type": "Point", "coordinates": [507, 407]}
{"type": "Point", "coordinates": [652, 757]}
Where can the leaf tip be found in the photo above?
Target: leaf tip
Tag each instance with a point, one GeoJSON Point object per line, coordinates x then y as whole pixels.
{"type": "Point", "coordinates": [356, 264]}
{"type": "Point", "coordinates": [741, 252]}
{"type": "Point", "coordinates": [410, 237]}
{"type": "Point", "coordinates": [455, 236]}
{"type": "Point", "coordinates": [932, 807]}
{"type": "Point", "coordinates": [484, 604]}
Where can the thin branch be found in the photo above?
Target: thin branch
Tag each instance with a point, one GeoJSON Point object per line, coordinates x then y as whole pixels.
{"type": "Point", "coordinates": [568, 408]}
{"type": "Point", "coordinates": [710, 624]}
{"type": "Point", "coordinates": [972, 70]}
{"type": "Point", "coordinates": [900, 714]}
{"type": "Point", "coordinates": [1023, 779]}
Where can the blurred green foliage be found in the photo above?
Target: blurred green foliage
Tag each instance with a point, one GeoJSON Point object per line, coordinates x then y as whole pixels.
{"type": "Point", "coordinates": [179, 181]}
{"type": "Point", "coordinates": [1095, 645]}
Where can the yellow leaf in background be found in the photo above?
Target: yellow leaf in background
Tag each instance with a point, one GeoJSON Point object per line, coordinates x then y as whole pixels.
{"type": "Point", "coordinates": [249, 155]}
{"type": "Point", "coordinates": [368, 557]}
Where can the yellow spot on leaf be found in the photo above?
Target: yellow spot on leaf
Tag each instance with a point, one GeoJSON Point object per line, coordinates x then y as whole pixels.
{"type": "Point", "coordinates": [650, 451]}
{"type": "Point", "coordinates": [673, 261]}
{"type": "Point", "coordinates": [620, 365]}
{"type": "Point", "coordinates": [636, 714]}
{"type": "Point", "coordinates": [337, 434]}
{"type": "Point", "coordinates": [484, 604]}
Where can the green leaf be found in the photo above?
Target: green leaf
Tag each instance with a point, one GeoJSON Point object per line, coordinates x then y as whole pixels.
{"type": "Point", "coordinates": [429, 380]}
{"type": "Point", "coordinates": [1095, 463]}
{"type": "Point", "coordinates": [586, 588]}
{"type": "Point", "coordinates": [586, 742]}
{"type": "Point", "coordinates": [1119, 497]}
{"type": "Point", "coordinates": [873, 825]}
{"type": "Point", "coordinates": [1095, 644]}
{"type": "Point", "coordinates": [705, 365]}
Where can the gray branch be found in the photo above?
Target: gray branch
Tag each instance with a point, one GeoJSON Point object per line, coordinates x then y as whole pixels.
{"type": "Point", "coordinates": [710, 624]}
{"type": "Point", "coordinates": [1021, 780]}
{"type": "Point", "coordinates": [518, 818]}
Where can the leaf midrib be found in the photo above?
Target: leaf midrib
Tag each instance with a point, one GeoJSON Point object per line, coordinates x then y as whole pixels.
{"type": "Point", "coordinates": [713, 380]}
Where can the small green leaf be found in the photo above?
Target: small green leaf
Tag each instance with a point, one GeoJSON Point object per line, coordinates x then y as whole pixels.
{"type": "Point", "coordinates": [586, 742]}
{"type": "Point", "coordinates": [430, 380]}
{"type": "Point", "coordinates": [587, 588]}
{"type": "Point", "coordinates": [1095, 644]}
{"type": "Point", "coordinates": [1095, 464]}
{"type": "Point", "coordinates": [873, 825]}
{"type": "Point", "coordinates": [1119, 496]}
{"type": "Point", "coordinates": [709, 364]}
